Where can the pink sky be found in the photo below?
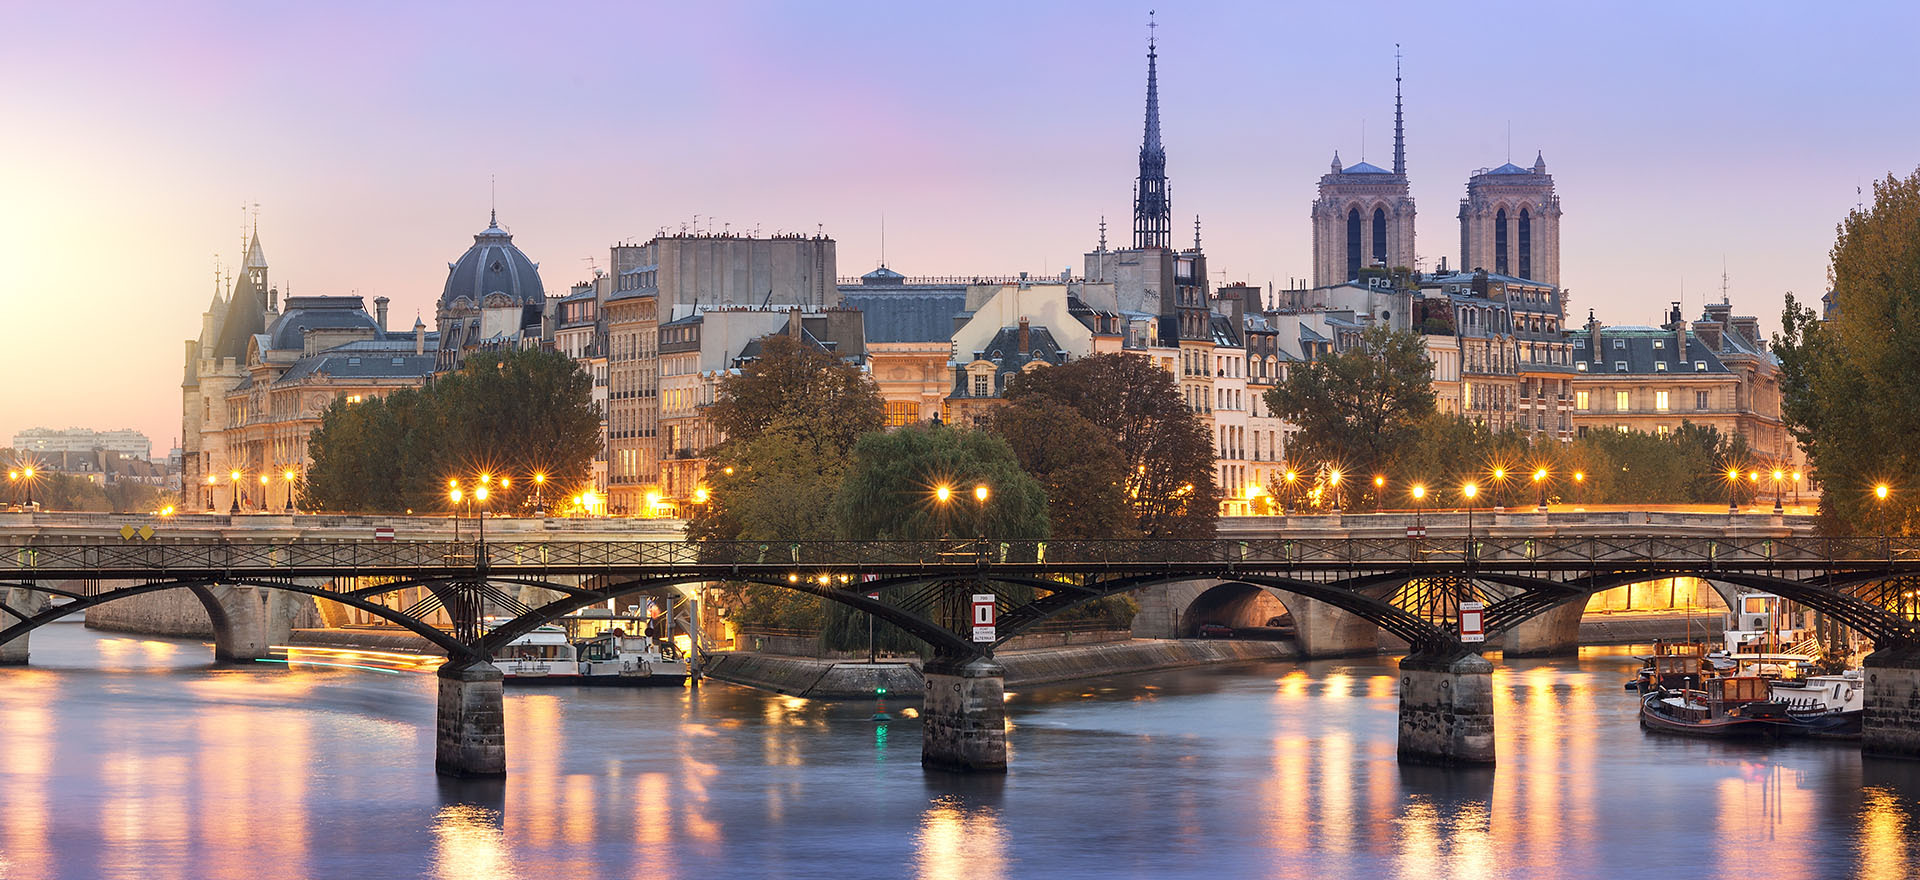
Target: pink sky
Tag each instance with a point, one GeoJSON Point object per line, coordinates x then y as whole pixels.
{"type": "Point", "coordinates": [992, 136]}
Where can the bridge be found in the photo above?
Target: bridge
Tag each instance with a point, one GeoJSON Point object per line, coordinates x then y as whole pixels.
{"type": "Point", "coordinates": [1411, 587]}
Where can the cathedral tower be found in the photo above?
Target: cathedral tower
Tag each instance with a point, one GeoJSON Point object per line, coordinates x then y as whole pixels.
{"type": "Point", "coordinates": [1364, 215]}
{"type": "Point", "coordinates": [1152, 204]}
{"type": "Point", "coordinates": [1510, 223]}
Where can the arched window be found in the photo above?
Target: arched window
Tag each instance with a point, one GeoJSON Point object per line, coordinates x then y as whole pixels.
{"type": "Point", "coordinates": [1353, 243]}
{"type": "Point", "coordinates": [1500, 242]}
{"type": "Point", "coordinates": [1526, 244]}
{"type": "Point", "coordinates": [1379, 235]}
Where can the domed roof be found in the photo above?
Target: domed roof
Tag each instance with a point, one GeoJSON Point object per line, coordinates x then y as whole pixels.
{"type": "Point", "coordinates": [493, 265]}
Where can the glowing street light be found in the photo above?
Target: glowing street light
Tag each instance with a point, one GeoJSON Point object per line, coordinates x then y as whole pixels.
{"type": "Point", "coordinates": [943, 493]}
{"type": "Point", "coordinates": [1379, 491]}
{"type": "Point", "coordinates": [1419, 493]}
{"type": "Point", "coordinates": [1287, 502]}
{"type": "Point", "coordinates": [1333, 483]}
{"type": "Point", "coordinates": [1469, 491]}
{"type": "Point", "coordinates": [1880, 493]}
{"type": "Point", "coordinates": [233, 483]}
{"type": "Point", "coordinates": [289, 474]}
{"type": "Point", "coordinates": [1778, 477]}
{"type": "Point", "coordinates": [1733, 482]}
{"type": "Point", "coordinates": [700, 495]}
{"type": "Point", "coordinates": [980, 493]}
{"type": "Point", "coordinates": [1540, 482]}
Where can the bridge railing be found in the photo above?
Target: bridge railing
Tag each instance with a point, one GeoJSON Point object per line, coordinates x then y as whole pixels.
{"type": "Point", "coordinates": [100, 557]}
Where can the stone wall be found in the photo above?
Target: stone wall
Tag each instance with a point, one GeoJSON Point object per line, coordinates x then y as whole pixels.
{"type": "Point", "coordinates": [176, 613]}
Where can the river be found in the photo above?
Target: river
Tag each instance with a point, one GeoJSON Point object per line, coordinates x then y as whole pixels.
{"type": "Point", "coordinates": [125, 757]}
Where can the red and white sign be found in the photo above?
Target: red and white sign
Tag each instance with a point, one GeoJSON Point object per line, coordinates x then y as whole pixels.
{"type": "Point", "coordinates": [985, 616]}
{"type": "Point", "coordinates": [1473, 622]}
{"type": "Point", "coordinates": [1416, 531]}
{"type": "Point", "coordinates": [383, 533]}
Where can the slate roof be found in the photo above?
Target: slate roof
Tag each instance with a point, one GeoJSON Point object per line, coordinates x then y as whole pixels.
{"type": "Point", "coordinates": [493, 265]}
{"type": "Point", "coordinates": [1365, 168]}
{"type": "Point", "coordinates": [1634, 345]}
{"type": "Point", "coordinates": [907, 317]}
{"type": "Point", "coordinates": [246, 316]}
{"type": "Point", "coordinates": [1510, 168]}
{"type": "Point", "coordinates": [305, 313]}
{"type": "Point", "coordinates": [343, 363]}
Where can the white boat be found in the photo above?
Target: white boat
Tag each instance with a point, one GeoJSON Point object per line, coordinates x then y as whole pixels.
{"type": "Point", "coordinates": [546, 655]}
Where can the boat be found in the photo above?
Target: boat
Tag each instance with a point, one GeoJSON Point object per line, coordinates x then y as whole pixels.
{"type": "Point", "coordinates": [1733, 706]}
{"type": "Point", "coordinates": [548, 655]}
{"type": "Point", "coordinates": [1821, 706]}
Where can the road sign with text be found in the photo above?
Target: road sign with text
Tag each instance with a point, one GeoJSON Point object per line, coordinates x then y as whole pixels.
{"type": "Point", "coordinates": [1473, 622]}
{"type": "Point", "coordinates": [985, 616]}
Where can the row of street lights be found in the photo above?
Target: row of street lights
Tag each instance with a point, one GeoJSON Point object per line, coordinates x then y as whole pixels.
{"type": "Point", "coordinates": [1780, 478]}
{"type": "Point", "coordinates": [1541, 480]}
{"type": "Point", "coordinates": [236, 477]}
{"type": "Point", "coordinates": [23, 475]}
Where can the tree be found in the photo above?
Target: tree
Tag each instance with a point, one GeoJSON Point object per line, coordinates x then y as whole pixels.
{"type": "Point", "coordinates": [1848, 385]}
{"type": "Point", "coordinates": [1360, 408]}
{"type": "Point", "coordinates": [809, 390]}
{"type": "Point", "coordinates": [1085, 480]}
{"type": "Point", "coordinates": [512, 415]}
{"type": "Point", "coordinates": [1135, 406]}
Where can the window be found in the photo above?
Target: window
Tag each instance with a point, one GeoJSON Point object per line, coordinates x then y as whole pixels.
{"type": "Point", "coordinates": [1663, 430]}
{"type": "Point", "coordinates": [1579, 343]}
{"type": "Point", "coordinates": [1622, 401]}
{"type": "Point", "coordinates": [1619, 345]}
{"type": "Point", "coordinates": [1659, 344]}
{"type": "Point", "coordinates": [1660, 401]}
{"type": "Point", "coordinates": [1659, 366]}
{"type": "Point", "coordinates": [1581, 366]}
{"type": "Point", "coordinates": [1580, 400]}
{"type": "Point", "coordinates": [1619, 366]}
{"type": "Point", "coordinates": [1699, 400]}
{"type": "Point", "coordinates": [981, 385]}
{"type": "Point", "coordinates": [1699, 366]}
{"type": "Point", "coordinates": [902, 412]}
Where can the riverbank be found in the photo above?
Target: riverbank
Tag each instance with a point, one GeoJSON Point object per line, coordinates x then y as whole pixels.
{"type": "Point", "coordinates": [830, 679]}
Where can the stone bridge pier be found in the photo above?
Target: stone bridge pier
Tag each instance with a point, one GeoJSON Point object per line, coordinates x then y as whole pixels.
{"type": "Point", "coordinates": [24, 601]}
{"type": "Point", "coordinates": [248, 621]}
{"type": "Point", "coordinates": [1890, 726]}
{"type": "Point", "coordinates": [1446, 708]}
{"type": "Point", "coordinates": [964, 714]}
{"type": "Point", "coordinates": [1173, 611]}
{"type": "Point", "coordinates": [470, 731]}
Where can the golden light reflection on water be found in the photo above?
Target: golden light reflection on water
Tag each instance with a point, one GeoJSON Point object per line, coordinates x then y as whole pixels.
{"type": "Point", "coordinates": [1883, 843]}
{"type": "Point", "coordinates": [1447, 841]}
{"type": "Point", "coordinates": [957, 842]}
{"type": "Point", "coordinates": [468, 843]}
{"type": "Point", "coordinates": [144, 813]}
{"type": "Point", "coordinates": [535, 724]}
{"type": "Point", "coordinates": [26, 763]}
{"type": "Point", "coordinates": [1763, 811]}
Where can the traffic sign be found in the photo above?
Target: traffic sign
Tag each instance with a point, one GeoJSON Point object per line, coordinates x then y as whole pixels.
{"type": "Point", "coordinates": [383, 533]}
{"type": "Point", "coordinates": [1416, 531]}
{"type": "Point", "coordinates": [985, 616]}
{"type": "Point", "coordinates": [1473, 622]}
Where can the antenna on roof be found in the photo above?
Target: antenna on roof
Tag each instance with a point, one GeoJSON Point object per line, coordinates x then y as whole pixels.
{"type": "Point", "coordinates": [883, 239]}
{"type": "Point", "coordinates": [1723, 279]}
{"type": "Point", "coordinates": [493, 201]}
{"type": "Point", "coordinates": [1103, 233]}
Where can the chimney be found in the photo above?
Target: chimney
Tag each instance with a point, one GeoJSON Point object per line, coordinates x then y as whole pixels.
{"type": "Point", "coordinates": [1025, 345]}
{"type": "Point", "coordinates": [380, 313]}
{"type": "Point", "coordinates": [1678, 324]}
{"type": "Point", "coordinates": [1593, 339]}
{"type": "Point", "coordinates": [273, 301]}
{"type": "Point", "coordinates": [419, 336]}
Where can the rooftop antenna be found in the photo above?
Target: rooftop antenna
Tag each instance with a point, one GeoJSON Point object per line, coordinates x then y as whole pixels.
{"type": "Point", "coordinates": [883, 239]}
{"type": "Point", "coordinates": [1103, 233]}
{"type": "Point", "coordinates": [1196, 232]}
{"type": "Point", "coordinates": [493, 201]}
{"type": "Point", "coordinates": [1723, 279]}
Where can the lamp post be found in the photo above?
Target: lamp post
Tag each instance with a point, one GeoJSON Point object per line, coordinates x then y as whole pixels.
{"type": "Point", "coordinates": [266, 483]}
{"type": "Point", "coordinates": [1777, 477]}
{"type": "Point", "coordinates": [1540, 482]}
{"type": "Point", "coordinates": [233, 482]}
{"type": "Point", "coordinates": [26, 474]}
{"type": "Point", "coordinates": [1733, 484]}
{"type": "Point", "coordinates": [539, 493]}
{"type": "Point", "coordinates": [1468, 492]}
{"type": "Point", "coordinates": [456, 496]}
{"type": "Point", "coordinates": [1880, 493]}
{"type": "Point", "coordinates": [1579, 480]}
{"type": "Point", "coordinates": [290, 474]}
{"type": "Point", "coordinates": [1333, 483]}
{"type": "Point", "coordinates": [1419, 498]}
{"type": "Point", "coordinates": [1796, 488]}
{"type": "Point", "coordinates": [1499, 482]}
{"type": "Point", "coordinates": [1291, 477]}
{"type": "Point", "coordinates": [980, 494]}
{"type": "Point", "coordinates": [480, 496]}
{"type": "Point", "coordinates": [1379, 491]}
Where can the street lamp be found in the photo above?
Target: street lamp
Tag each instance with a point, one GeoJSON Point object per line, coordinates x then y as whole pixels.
{"type": "Point", "coordinates": [1468, 492]}
{"type": "Point", "coordinates": [1540, 482]}
{"type": "Point", "coordinates": [539, 490]}
{"type": "Point", "coordinates": [980, 494]}
{"type": "Point", "coordinates": [480, 496]}
{"type": "Point", "coordinates": [1291, 478]}
{"type": "Point", "coordinates": [233, 481]}
{"type": "Point", "coordinates": [456, 496]}
{"type": "Point", "coordinates": [1379, 491]}
{"type": "Point", "coordinates": [1880, 500]}
{"type": "Point", "coordinates": [1733, 483]}
{"type": "Point", "coordinates": [1777, 477]}
{"type": "Point", "coordinates": [289, 474]}
{"type": "Point", "coordinates": [1579, 479]}
{"type": "Point", "coordinates": [1333, 483]}
{"type": "Point", "coordinates": [1796, 487]}
{"type": "Point", "coordinates": [1499, 482]}
{"type": "Point", "coordinates": [1419, 499]}
{"type": "Point", "coordinates": [25, 473]}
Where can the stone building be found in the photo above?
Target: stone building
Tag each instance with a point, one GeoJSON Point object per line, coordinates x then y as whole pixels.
{"type": "Point", "coordinates": [1510, 223]}
{"type": "Point", "coordinates": [214, 364]}
{"type": "Point", "coordinates": [1715, 372]}
{"type": "Point", "coordinates": [125, 442]}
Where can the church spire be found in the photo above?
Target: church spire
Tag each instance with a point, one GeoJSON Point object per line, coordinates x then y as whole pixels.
{"type": "Point", "coordinates": [1152, 208]}
{"type": "Point", "coordinates": [1399, 129]}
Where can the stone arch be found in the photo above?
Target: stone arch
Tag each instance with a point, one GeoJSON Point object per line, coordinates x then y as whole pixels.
{"type": "Point", "coordinates": [1234, 604]}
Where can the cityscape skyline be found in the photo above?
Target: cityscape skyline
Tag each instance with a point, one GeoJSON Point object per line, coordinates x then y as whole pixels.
{"type": "Point", "coordinates": [352, 142]}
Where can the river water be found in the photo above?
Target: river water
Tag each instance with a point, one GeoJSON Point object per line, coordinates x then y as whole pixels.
{"type": "Point", "coordinates": [137, 758]}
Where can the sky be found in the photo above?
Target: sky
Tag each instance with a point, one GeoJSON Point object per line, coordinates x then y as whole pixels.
{"type": "Point", "coordinates": [988, 138]}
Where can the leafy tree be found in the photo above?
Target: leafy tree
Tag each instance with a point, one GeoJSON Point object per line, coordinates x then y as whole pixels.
{"type": "Point", "coordinates": [806, 390]}
{"type": "Point", "coordinates": [1085, 480]}
{"type": "Point", "coordinates": [1360, 408]}
{"type": "Point", "coordinates": [512, 415]}
{"type": "Point", "coordinates": [1136, 408]}
{"type": "Point", "coordinates": [1848, 388]}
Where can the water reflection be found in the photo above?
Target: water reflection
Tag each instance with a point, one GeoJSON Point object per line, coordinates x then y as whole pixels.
{"type": "Point", "coordinates": [469, 841]}
{"type": "Point", "coordinates": [959, 842]}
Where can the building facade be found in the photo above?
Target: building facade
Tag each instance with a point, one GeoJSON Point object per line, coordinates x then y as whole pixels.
{"type": "Point", "coordinates": [493, 300]}
{"type": "Point", "coordinates": [1364, 214]}
{"type": "Point", "coordinates": [1510, 223]}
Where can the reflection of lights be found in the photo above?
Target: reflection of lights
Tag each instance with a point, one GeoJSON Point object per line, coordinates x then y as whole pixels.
{"type": "Point", "coordinates": [956, 841]}
{"type": "Point", "coordinates": [1883, 835]}
{"type": "Point", "coordinates": [468, 842]}
{"type": "Point", "coordinates": [324, 663]}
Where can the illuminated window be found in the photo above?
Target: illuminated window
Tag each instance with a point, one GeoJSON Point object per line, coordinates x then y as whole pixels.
{"type": "Point", "coordinates": [1660, 402]}
{"type": "Point", "coordinates": [1580, 400]}
{"type": "Point", "coordinates": [902, 412]}
{"type": "Point", "coordinates": [1622, 401]}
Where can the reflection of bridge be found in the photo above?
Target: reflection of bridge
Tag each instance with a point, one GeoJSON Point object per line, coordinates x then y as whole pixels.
{"type": "Point", "coordinates": [1410, 587]}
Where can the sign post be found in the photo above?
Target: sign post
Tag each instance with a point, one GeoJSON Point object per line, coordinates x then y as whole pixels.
{"type": "Point", "coordinates": [1473, 622]}
{"type": "Point", "coordinates": [985, 617]}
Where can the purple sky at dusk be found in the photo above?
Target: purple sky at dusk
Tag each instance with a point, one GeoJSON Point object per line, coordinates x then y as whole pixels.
{"type": "Point", "coordinates": [992, 136]}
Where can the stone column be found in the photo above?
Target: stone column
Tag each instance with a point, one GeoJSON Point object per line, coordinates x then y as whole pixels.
{"type": "Point", "coordinates": [1446, 708]}
{"type": "Point", "coordinates": [470, 739]}
{"type": "Point", "coordinates": [964, 717]}
{"type": "Point", "coordinates": [1890, 726]}
{"type": "Point", "coordinates": [1322, 630]}
{"type": "Point", "coordinates": [25, 601]}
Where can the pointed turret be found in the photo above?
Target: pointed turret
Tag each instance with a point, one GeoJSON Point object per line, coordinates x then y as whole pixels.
{"type": "Point", "coordinates": [1540, 163]}
{"type": "Point", "coordinates": [1152, 206]}
{"type": "Point", "coordinates": [1336, 161]}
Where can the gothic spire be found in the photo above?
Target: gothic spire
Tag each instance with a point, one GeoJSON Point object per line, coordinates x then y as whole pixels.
{"type": "Point", "coordinates": [1152, 208]}
{"type": "Point", "coordinates": [1399, 130]}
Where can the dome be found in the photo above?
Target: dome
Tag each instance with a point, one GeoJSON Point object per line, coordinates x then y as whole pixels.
{"type": "Point", "coordinates": [493, 265]}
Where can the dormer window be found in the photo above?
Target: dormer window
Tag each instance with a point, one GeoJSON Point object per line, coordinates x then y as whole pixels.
{"type": "Point", "coordinates": [1619, 345]}
{"type": "Point", "coordinates": [1659, 344]}
{"type": "Point", "coordinates": [1699, 366]}
{"type": "Point", "coordinates": [1619, 366]}
{"type": "Point", "coordinates": [1659, 366]}
{"type": "Point", "coordinates": [1581, 366]}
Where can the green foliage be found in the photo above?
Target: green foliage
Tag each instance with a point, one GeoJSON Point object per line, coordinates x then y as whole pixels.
{"type": "Point", "coordinates": [1135, 408]}
{"type": "Point", "coordinates": [1085, 480]}
{"type": "Point", "coordinates": [1849, 386]}
{"type": "Point", "coordinates": [1359, 409]}
{"type": "Point", "coordinates": [505, 415]}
